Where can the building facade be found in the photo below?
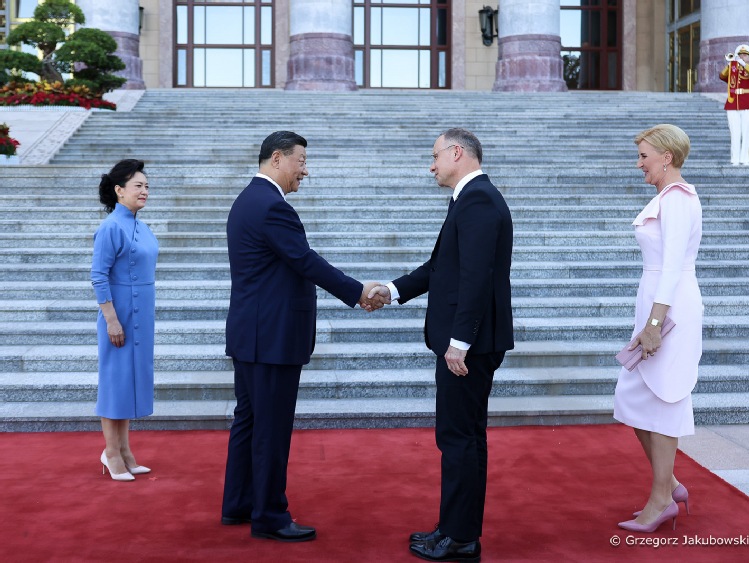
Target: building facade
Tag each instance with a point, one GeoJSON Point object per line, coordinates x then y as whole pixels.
{"type": "Point", "coordinates": [514, 45]}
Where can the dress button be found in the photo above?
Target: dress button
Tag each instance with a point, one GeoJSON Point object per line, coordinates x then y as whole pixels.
{"type": "Point", "coordinates": [137, 342]}
{"type": "Point", "coordinates": [136, 310]}
{"type": "Point", "coordinates": [132, 263]}
{"type": "Point", "coordinates": [135, 277]}
{"type": "Point", "coordinates": [136, 326]}
{"type": "Point", "coordinates": [132, 250]}
{"type": "Point", "coordinates": [135, 294]}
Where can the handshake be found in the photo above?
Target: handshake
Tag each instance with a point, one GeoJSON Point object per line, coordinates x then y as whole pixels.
{"type": "Point", "coordinates": [374, 296]}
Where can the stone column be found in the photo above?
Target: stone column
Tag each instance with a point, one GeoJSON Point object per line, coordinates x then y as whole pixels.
{"type": "Point", "coordinates": [725, 24]}
{"type": "Point", "coordinates": [321, 50]}
{"type": "Point", "coordinates": [120, 19]}
{"type": "Point", "coordinates": [529, 58]}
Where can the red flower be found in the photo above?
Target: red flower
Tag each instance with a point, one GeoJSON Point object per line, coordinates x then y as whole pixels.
{"type": "Point", "coordinates": [51, 94]}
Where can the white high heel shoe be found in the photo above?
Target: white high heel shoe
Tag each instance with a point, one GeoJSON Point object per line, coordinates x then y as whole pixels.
{"type": "Point", "coordinates": [139, 470]}
{"type": "Point", "coordinates": [116, 476]}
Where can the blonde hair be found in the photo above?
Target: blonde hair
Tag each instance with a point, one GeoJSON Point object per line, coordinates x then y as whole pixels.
{"type": "Point", "coordinates": [667, 138]}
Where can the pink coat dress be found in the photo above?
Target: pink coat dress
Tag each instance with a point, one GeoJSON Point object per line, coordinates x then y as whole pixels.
{"type": "Point", "coordinates": [656, 395]}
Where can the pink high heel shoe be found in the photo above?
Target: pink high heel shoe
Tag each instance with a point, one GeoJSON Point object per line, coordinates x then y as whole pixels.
{"type": "Point", "coordinates": [671, 511]}
{"type": "Point", "coordinates": [679, 494]}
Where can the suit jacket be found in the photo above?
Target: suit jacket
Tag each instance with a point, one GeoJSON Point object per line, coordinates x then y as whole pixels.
{"type": "Point", "coordinates": [273, 304]}
{"type": "Point", "coordinates": [468, 274]}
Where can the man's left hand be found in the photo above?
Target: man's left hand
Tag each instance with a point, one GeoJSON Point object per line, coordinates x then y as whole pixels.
{"type": "Point", "coordinates": [455, 360]}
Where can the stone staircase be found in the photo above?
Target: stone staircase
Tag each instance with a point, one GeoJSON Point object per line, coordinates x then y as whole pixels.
{"type": "Point", "coordinates": [564, 162]}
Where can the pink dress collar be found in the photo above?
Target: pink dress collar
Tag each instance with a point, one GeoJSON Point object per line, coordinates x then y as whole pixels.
{"type": "Point", "coordinates": [652, 209]}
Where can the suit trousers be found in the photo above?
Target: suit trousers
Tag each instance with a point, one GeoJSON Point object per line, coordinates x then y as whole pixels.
{"type": "Point", "coordinates": [460, 430]}
{"type": "Point", "coordinates": [738, 125]}
{"type": "Point", "coordinates": [259, 442]}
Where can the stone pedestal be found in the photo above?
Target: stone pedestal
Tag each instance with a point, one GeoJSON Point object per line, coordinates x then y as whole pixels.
{"type": "Point", "coordinates": [6, 160]}
{"type": "Point", "coordinates": [321, 61]}
{"type": "Point", "coordinates": [529, 55]}
{"type": "Point", "coordinates": [713, 60]}
{"type": "Point", "coordinates": [120, 19]}
{"type": "Point", "coordinates": [529, 63]}
{"type": "Point", "coordinates": [724, 26]}
{"type": "Point", "coordinates": [321, 50]}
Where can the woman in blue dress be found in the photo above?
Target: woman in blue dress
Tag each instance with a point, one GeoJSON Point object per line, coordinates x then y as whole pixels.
{"type": "Point", "coordinates": [123, 273]}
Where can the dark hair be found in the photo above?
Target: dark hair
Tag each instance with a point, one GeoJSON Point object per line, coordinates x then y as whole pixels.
{"type": "Point", "coordinates": [119, 175]}
{"type": "Point", "coordinates": [465, 139]}
{"type": "Point", "coordinates": [283, 141]}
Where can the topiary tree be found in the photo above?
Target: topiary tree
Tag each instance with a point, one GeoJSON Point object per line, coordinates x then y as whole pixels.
{"type": "Point", "coordinates": [13, 63]}
{"type": "Point", "coordinates": [93, 48]}
{"type": "Point", "coordinates": [45, 31]}
{"type": "Point", "coordinates": [87, 53]}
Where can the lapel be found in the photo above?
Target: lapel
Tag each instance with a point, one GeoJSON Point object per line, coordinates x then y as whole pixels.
{"type": "Point", "coordinates": [451, 206]}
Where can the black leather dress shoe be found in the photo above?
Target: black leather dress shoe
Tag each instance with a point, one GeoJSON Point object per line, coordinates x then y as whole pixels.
{"type": "Point", "coordinates": [447, 549]}
{"type": "Point", "coordinates": [228, 521]}
{"type": "Point", "coordinates": [292, 532]}
{"type": "Point", "coordinates": [420, 537]}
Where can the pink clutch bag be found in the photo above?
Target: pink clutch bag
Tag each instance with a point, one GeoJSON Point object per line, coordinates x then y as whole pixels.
{"type": "Point", "coordinates": [630, 358]}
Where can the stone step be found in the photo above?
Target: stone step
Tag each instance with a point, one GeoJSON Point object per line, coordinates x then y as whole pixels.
{"type": "Point", "coordinates": [375, 186]}
{"type": "Point", "coordinates": [230, 178]}
{"type": "Point", "coordinates": [715, 291]}
{"type": "Point", "coordinates": [326, 198]}
{"type": "Point", "coordinates": [354, 356]}
{"type": "Point", "coordinates": [237, 154]}
{"type": "Point", "coordinates": [386, 255]}
{"type": "Point", "coordinates": [44, 387]}
{"type": "Point", "coordinates": [251, 126]}
{"type": "Point", "coordinates": [716, 408]}
{"type": "Point", "coordinates": [236, 151]}
{"type": "Point", "coordinates": [406, 238]}
{"type": "Point", "coordinates": [314, 226]}
{"type": "Point", "coordinates": [337, 180]}
{"type": "Point", "coordinates": [383, 213]}
{"type": "Point", "coordinates": [410, 161]}
{"type": "Point", "coordinates": [375, 271]}
{"type": "Point", "coordinates": [355, 330]}
{"type": "Point", "coordinates": [173, 306]}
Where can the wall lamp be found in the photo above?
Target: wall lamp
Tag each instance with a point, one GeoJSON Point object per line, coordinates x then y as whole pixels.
{"type": "Point", "coordinates": [488, 22]}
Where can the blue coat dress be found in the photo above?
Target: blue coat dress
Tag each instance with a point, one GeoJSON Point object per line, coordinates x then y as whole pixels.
{"type": "Point", "coordinates": [123, 271]}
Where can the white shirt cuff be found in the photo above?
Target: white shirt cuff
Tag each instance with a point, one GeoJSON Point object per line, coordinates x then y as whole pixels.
{"type": "Point", "coordinates": [460, 345]}
{"type": "Point", "coordinates": [394, 295]}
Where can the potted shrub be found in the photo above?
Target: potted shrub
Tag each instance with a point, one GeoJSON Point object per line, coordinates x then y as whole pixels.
{"type": "Point", "coordinates": [8, 146]}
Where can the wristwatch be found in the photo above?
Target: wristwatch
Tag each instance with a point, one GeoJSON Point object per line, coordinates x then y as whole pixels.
{"type": "Point", "coordinates": [655, 322]}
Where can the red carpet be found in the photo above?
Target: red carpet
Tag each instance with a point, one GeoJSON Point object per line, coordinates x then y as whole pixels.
{"type": "Point", "coordinates": [555, 494]}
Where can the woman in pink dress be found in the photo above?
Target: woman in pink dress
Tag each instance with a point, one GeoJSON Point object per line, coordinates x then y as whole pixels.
{"type": "Point", "coordinates": [655, 398]}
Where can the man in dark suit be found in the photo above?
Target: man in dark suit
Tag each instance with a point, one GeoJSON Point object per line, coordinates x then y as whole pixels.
{"type": "Point", "coordinates": [270, 334]}
{"type": "Point", "coordinates": [469, 327]}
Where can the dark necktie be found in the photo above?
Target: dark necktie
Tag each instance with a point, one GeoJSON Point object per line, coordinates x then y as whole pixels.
{"type": "Point", "coordinates": [450, 205]}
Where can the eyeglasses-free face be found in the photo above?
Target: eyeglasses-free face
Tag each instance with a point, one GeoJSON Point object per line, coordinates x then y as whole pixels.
{"type": "Point", "coordinates": [134, 193]}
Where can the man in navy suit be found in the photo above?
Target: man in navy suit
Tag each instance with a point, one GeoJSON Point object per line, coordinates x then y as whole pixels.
{"type": "Point", "coordinates": [469, 327]}
{"type": "Point", "coordinates": [270, 334]}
